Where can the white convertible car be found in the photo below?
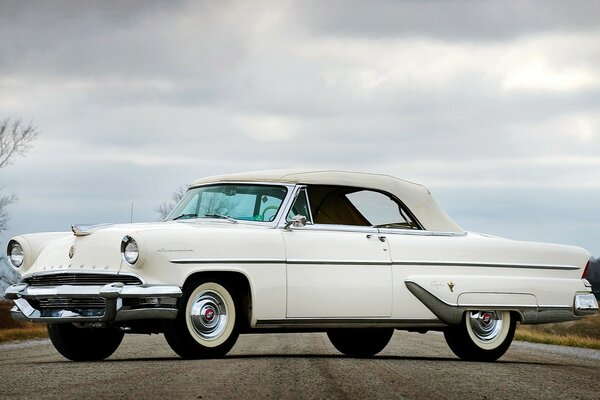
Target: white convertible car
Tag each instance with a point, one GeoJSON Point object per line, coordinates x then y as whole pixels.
{"type": "Point", "coordinates": [354, 255]}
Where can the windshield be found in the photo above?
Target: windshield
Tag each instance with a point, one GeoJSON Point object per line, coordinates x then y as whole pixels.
{"type": "Point", "coordinates": [231, 201]}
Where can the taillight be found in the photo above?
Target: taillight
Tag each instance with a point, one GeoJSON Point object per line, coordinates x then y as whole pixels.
{"type": "Point", "coordinates": [585, 270]}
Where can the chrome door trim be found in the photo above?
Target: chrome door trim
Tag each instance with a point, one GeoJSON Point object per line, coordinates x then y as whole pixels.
{"type": "Point", "coordinates": [227, 261]}
{"type": "Point", "coordinates": [416, 232]}
{"type": "Point", "coordinates": [337, 262]}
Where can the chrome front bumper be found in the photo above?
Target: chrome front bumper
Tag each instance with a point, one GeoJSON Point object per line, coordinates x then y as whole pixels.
{"type": "Point", "coordinates": [114, 302]}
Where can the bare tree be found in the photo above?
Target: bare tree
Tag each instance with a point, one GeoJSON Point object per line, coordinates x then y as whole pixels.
{"type": "Point", "coordinates": [15, 140]}
{"type": "Point", "coordinates": [166, 206]}
{"type": "Point", "coordinates": [4, 202]}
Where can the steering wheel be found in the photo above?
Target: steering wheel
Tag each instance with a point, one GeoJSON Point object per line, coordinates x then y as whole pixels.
{"type": "Point", "coordinates": [269, 208]}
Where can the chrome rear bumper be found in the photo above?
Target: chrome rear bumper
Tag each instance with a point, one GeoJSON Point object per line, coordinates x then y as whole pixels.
{"type": "Point", "coordinates": [585, 304]}
{"type": "Point", "coordinates": [110, 303]}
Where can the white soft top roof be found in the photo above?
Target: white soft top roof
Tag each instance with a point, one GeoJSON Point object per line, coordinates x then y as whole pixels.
{"type": "Point", "coordinates": [416, 197]}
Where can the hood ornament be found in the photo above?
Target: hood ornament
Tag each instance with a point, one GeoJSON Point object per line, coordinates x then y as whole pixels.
{"type": "Point", "coordinates": [72, 251]}
{"type": "Point", "coordinates": [84, 230]}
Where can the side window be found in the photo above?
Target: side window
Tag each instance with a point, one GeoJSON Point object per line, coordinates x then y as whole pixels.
{"type": "Point", "coordinates": [380, 210]}
{"type": "Point", "coordinates": [300, 207]}
{"type": "Point", "coordinates": [342, 205]}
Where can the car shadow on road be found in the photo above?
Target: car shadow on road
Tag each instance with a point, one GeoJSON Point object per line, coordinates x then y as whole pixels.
{"type": "Point", "coordinates": [388, 358]}
{"type": "Point", "coordinates": [304, 356]}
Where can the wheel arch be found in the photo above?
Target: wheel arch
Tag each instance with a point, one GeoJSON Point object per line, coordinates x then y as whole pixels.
{"type": "Point", "coordinates": [515, 314]}
{"type": "Point", "coordinates": [239, 282]}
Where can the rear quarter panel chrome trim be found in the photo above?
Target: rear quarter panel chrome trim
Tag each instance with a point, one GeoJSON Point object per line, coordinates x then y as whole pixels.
{"type": "Point", "coordinates": [451, 314]}
{"type": "Point", "coordinates": [485, 265]}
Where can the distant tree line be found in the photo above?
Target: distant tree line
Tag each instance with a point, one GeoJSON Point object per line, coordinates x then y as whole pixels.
{"type": "Point", "coordinates": [593, 275]}
{"type": "Point", "coordinates": [15, 140]}
{"type": "Point", "coordinates": [594, 271]}
{"type": "Point", "coordinates": [166, 207]}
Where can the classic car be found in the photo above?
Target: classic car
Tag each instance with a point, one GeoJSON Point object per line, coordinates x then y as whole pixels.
{"type": "Point", "coordinates": [354, 255]}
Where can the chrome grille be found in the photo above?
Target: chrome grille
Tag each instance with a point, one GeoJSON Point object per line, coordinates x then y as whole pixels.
{"type": "Point", "coordinates": [70, 304]}
{"type": "Point", "coordinates": [80, 279]}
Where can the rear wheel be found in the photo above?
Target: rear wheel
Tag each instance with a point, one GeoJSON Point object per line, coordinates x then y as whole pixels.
{"type": "Point", "coordinates": [360, 342]}
{"type": "Point", "coordinates": [84, 344]}
{"type": "Point", "coordinates": [207, 323]}
{"type": "Point", "coordinates": [482, 335]}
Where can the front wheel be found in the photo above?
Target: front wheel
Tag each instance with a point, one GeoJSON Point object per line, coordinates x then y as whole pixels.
{"type": "Point", "coordinates": [84, 344]}
{"type": "Point", "coordinates": [482, 335]}
{"type": "Point", "coordinates": [207, 322]}
{"type": "Point", "coordinates": [360, 342]}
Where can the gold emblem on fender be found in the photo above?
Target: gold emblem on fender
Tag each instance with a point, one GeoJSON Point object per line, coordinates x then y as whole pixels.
{"type": "Point", "coordinates": [71, 251]}
{"type": "Point", "coordinates": [451, 286]}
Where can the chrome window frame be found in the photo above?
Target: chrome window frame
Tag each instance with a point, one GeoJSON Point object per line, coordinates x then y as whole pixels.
{"type": "Point", "coordinates": [299, 189]}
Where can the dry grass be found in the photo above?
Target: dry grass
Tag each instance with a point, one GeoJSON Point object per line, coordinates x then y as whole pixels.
{"type": "Point", "coordinates": [6, 321]}
{"type": "Point", "coordinates": [582, 333]}
{"type": "Point", "coordinates": [36, 332]}
{"type": "Point", "coordinates": [18, 330]}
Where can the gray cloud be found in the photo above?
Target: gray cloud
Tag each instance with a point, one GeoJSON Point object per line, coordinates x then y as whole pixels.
{"type": "Point", "coordinates": [123, 39]}
{"type": "Point", "coordinates": [493, 106]}
{"type": "Point", "coordinates": [448, 20]}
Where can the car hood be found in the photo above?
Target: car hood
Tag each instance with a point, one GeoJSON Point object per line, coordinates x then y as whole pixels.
{"type": "Point", "coordinates": [97, 249]}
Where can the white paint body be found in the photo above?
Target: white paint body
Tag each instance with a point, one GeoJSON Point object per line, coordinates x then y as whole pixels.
{"type": "Point", "coordinates": [321, 273]}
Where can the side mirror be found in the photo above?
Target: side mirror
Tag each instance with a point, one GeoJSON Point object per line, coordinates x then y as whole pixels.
{"type": "Point", "coordinates": [298, 221]}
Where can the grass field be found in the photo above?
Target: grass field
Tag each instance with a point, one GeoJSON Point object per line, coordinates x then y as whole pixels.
{"type": "Point", "coordinates": [582, 333]}
{"type": "Point", "coordinates": [18, 330]}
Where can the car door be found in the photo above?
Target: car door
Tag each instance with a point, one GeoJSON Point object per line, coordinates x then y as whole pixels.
{"type": "Point", "coordinates": [335, 270]}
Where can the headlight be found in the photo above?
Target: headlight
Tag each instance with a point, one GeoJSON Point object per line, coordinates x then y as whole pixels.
{"type": "Point", "coordinates": [15, 253]}
{"type": "Point", "coordinates": [129, 249]}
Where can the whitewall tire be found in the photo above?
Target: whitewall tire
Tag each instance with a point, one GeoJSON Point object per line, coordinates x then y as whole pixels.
{"type": "Point", "coordinates": [207, 323]}
{"type": "Point", "coordinates": [483, 335]}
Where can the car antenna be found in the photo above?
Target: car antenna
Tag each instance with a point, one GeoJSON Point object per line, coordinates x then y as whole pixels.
{"type": "Point", "coordinates": [131, 217]}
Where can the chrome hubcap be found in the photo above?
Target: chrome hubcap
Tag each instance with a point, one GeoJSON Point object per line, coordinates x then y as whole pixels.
{"type": "Point", "coordinates": [486, 325]}
{"type": "Point", "coordinates": [209, 315]}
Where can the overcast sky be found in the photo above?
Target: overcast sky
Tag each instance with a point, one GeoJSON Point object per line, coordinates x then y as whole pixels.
{"type": "Point", "coordinates": [495, 106]}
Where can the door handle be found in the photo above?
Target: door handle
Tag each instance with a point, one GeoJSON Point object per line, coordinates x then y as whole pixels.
{"type": "Point", "coordinates": [380, 237]}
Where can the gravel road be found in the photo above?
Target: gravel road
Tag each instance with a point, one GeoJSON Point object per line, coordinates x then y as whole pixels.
{"type": "Point", "coordinates": [413, 366]}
